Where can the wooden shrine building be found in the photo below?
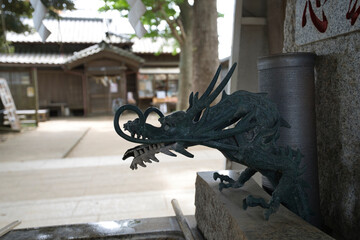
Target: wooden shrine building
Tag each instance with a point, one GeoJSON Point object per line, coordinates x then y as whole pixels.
{"type": "Point", "coordinates": [83, 68]}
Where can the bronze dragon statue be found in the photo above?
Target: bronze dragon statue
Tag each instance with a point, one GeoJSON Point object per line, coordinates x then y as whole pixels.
{"type": "Point", "coordinates": [244, 126]}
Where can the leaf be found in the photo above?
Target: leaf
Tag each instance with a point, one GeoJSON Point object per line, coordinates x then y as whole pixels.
{"type": "Point", "coordinates": [15, 10]}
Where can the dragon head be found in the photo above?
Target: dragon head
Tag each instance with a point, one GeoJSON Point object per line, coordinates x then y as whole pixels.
{"type": "Point", "coordinates": [178, 130]}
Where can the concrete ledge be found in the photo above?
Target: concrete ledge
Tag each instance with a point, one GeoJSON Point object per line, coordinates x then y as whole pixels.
{"type": "Point", "coordinates": [220, 215]}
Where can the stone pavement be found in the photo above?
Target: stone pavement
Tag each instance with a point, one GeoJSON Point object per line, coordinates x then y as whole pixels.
{"type": "Point", "coordinates": [70, 171]}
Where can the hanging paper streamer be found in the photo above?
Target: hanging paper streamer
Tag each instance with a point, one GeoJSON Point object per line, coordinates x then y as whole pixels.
{"type": "Point", "coordinates": [38, 16]}
{"type": "Point", "coordinates": [137, 9]}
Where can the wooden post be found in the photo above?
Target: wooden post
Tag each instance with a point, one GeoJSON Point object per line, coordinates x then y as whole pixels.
{"type": "Point", "coordinates": [36, 99]}
{"type": "Point", "coordinates": [123, 85]}
{"type": "Point", "coordinates": [235, 45]}
{"type": "Point", "coordinates": [275, 19]}
{"type": "Point", "coordinates": [86, 91]}
{"type": "Point", "coordinates": [84, 86]}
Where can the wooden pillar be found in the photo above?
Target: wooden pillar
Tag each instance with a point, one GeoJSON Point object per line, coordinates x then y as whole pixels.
{"type": "Point", "coordinates": [87, 101]}
{"type": "Point", "coordinates": [85, 95]}
{"type": "Point", "coordinates": [249, 42]}
{"type": "Point", "coordinates": [36, 99]}
{"type": "Point", "coordinates": [275, 19]}
{"type": "Point", "coordinates": [235, 45]}
{"type": "Point", "coordinates": [123, 85]}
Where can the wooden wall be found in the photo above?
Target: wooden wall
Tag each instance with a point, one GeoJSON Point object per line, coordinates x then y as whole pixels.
{"type": "Point", "coordinates": [57, 86]}
{"type": "Point", "coordinates": [100, 96]}
{"type": "Point", "coordinates": [131, 84]}
{"type": "Point", "coordinates": [21, 87]}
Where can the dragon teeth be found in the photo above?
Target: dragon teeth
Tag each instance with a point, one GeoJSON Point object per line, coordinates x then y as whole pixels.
{"type": "Point", "coordinates": [147, 160]}
{"type": "Point", "coordinates": [152, 157]}
{"type": "Point", "coordinates": [167, 152]}
{"type": "Point", "coordinates": [146, 154]}
{"type": "Point", "coordinates": [142, 164]}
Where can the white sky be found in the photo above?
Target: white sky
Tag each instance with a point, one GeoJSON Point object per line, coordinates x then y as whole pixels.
{"type": "Point", "coordinates": [225, 24]}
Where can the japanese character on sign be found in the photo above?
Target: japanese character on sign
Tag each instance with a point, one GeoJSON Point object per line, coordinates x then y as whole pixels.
{"type": "Point", "coordinates": [353, 14]}
{"type": "Point", "coordinates": [321, 25]}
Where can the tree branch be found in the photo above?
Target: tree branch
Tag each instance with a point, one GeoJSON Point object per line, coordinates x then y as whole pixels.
{"type": "Point", "coordinates": [182, 30]}
{"type": "Point", "coordinates": [171, 23]}
{"type": "Point", "coordinates": [3, 19]}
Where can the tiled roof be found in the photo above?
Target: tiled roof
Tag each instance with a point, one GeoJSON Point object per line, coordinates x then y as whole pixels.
{"type": "Point", "coordinates": [103, 46]}
{"type": "Point", "coordinates": [33, 58]}
{"type": "Point", "coordinates": [90, 30]}
{"type": "Point", "coordinates": [147, 45]}
{"type": "Point", "coordinates": [60, 59]}
{"type": "Point", "coordinates": [69, 30]}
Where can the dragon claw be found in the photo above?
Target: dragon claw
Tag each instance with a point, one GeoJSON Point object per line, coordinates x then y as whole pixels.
{"type": "Point", "coordinates": [221, 186]}
{"type": "Point", "coordinates": [216, 175]}
{"type": "Point", "coordinates": [245, 205]}
{"type": "Point", "coordinates": [266, 215]}
{"type": "Point", "coordinates": [223, 178]}
{"type": "Point", "coordinates": [226, 181]}
{"type": "Point", "coordinates": [268, 212]}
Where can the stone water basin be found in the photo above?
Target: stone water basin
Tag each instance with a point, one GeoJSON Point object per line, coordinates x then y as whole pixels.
{"type": "Point", "coordinates": [149, 228]}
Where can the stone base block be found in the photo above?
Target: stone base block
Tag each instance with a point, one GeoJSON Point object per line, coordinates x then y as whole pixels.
{"type": "Point", "coordinates": [220, 215]}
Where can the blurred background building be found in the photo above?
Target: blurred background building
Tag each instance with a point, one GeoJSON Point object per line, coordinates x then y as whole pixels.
{"type": "Point", "coordinates": [86, 67]}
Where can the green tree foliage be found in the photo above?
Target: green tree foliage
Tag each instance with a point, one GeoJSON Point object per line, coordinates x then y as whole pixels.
{"type": "Point", "coordinates": [167, 19]}
{"type": "Point", "coordinates": [155, 18]}
{"type": "Point", "coordinates": [174, 19]}
{"type": "Point", "coordinates": [13, 11]}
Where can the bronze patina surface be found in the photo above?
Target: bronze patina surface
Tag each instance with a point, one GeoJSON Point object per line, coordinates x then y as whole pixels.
{"type": "Point", "coordinates": [244, 126]}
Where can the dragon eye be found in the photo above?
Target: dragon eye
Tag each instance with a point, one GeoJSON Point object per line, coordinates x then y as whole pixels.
{"type": "Point", "coordinates": [166, 127]}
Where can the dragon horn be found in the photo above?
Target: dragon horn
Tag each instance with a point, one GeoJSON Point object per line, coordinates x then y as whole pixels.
{"type": "Point", "coordinates": [191, 97]}
{"type": "Point", "coordinates": [212, 84]}
{"type": "Point", "coordinates": [221, 86]}
{"type": "Point", "coordinates": [197, 105]}
{"type": "Point", "coordinates": [208, 90]}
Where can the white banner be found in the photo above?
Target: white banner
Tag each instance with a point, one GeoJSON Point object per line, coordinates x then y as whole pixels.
{"type": "Point", "coordinates": [137, 9]}
{"type": "Point", "coordinates": [38, 16]}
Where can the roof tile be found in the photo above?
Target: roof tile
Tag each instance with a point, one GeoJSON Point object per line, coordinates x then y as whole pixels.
{"type": "Point", "coordinates": [33, 58]}
{"type": "Point", "coordinates": [89, 30]}
{"type": "Point", "coordinates": [103, 46]}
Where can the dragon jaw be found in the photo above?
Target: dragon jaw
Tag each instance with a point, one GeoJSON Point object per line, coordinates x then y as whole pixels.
{"type": "Point", "coordinates": [146, 153]}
